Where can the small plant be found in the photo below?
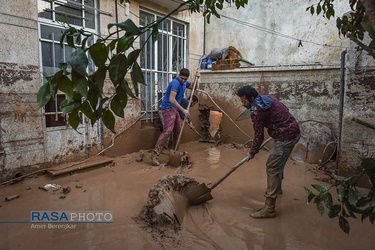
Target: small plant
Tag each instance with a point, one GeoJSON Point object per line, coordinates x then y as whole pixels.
{"type": "Point", "coordinates": [350, 201]}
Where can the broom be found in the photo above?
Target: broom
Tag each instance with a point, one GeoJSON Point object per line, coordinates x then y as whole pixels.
{"type": "Point", "coordinates": [235, 54]}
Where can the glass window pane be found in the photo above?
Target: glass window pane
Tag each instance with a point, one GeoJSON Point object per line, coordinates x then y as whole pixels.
{"type": "Point", "coordinates": [69, 12]}
{"type": "Point", "coordinates": [145, 18]}
{"type": "Point", "coordinates": [47, 31]}
{"type": "Point", "coordinates": [44, 9]}
{"type": "Point", "coordinates": [178, 29]}
{"type": "Point", "coordinates": [90, 19]}
{"type": "Point", "coordinates": [165, 25]}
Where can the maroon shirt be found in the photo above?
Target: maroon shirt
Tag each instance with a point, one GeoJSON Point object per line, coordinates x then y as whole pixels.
{"type": "Point", "coordinates": [280, 124]}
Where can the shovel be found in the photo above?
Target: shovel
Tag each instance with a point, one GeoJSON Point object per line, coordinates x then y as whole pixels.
{"type": "Point", "coordinates": [175, 155]}
{"type": "Point", "coordinates": [200, 193]}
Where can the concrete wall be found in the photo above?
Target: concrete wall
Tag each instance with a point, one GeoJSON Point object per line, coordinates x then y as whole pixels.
{"type": "Point", "coordinates": [309, 93]}
{"type": "Point", "coordinates": [21, 124]}
{"type": "Point", "coordinates": [269, 33]}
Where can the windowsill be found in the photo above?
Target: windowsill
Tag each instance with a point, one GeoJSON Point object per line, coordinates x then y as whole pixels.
{"type": "Point", "coordinates": [261, 68]}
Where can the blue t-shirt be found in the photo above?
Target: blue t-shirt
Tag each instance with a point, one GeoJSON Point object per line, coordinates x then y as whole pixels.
{"type": "Point", "coordinates": [179, 88]}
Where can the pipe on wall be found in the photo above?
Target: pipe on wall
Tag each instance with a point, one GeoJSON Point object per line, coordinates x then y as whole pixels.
{"type": "Point", "coordinates": [341, 107]}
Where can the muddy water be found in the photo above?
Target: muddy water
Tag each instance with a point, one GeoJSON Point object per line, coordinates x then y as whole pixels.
{"type": "Point", "coordinates": [222, 223]}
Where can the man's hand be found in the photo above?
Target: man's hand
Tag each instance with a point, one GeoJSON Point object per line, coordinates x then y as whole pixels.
{"type": "Point", "coordinates": [249, 156]}
{"type": "Point", "coordinates": [186, 113]}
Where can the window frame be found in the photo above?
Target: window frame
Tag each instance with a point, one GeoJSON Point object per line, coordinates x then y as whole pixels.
{"type": "Point", "coordinates": [52, 22]}
{"type": "Point", "coordinates": [157, 78]}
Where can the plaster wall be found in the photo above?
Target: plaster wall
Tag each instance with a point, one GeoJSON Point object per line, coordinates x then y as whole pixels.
{"type": "Point", "coordinates": [309, 93]}
{"type": "Point", "coordinates": [278, 32]}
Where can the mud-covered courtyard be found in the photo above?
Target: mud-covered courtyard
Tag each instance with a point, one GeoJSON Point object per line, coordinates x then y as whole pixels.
{"type": "Point", "coordinates": [222, 223]}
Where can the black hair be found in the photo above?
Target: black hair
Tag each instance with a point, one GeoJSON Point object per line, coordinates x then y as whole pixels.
{"type": "Point", "coordinates": [195, 98]}
{"type": "Point", "coordinates": [248, 92]}
{"type": "Point", "coordinates": [185, 72]}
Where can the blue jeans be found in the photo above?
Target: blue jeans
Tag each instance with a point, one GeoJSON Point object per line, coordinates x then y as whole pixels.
{"type": "Point", "coordinates": [279, 155]}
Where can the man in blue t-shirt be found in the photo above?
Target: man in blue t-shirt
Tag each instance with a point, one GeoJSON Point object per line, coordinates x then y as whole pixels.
{"type": "Point", "coordinates": [169, 108]}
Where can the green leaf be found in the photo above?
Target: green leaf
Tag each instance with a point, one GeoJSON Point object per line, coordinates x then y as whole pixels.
{"type": "Point", "coordinates": [344, 224]}
{"type": "Point", "coordinates": [322, 187]}
{"type": "Point", "coordinates": [137, 77]}
{"type": "Point", "coordinates": [352, 197]}
{"type": "Point", "coordinates": [334, 211]}
{"type": "Point", "coordinates": [351, 210]}
{"type": "Point", "coordinates": [98, 77]}
{"type": "Point", "coordinates": [87, 110]}
{"type": "Point", "coordinates": [79, 61]}
{"type": "Point", "coordinates": [132, 57]}
{"type": "Point", "coordinates": [128, 25]}
{"type": "Point", "coordinates": [155, 33]}
{"type": "Point", "coordinates": [44, 95]}
{"type": "Point", "coordinates": [68, 107]}
{"type": "Point", "coordinates": [328, 200]}
{"type": "Point", "coordinates": [119, 102]}
{"type": "Point", "coordinates": [310, 197]}
{"type": "Point", "coordinates": [366, 163]}
{"type": "Point", "coordinates": [109, 120]}
{"type": "Point", "coordinates": [366, 213]}
{"type": "Point", "coordinates": [124, 43]}
{"type": "Point", "coordinates": [84, 41]}
{"type": "Point", "coordinates": [320, 208]}
{"type": "Point", "coordinates": [80, 83]}
{"type": "Point", "coordinates": [93, 96]}
{"type": "Point", "coordinates": [341, 178]}
{"type": "Point", "coordinates": [318, 9]}
{"type": "Point", "coordinates": [70, 41]}
{"type": "Point", "coordinates": [118, 69]}
{"type": "Point", "coordinates": [65, 85]}
{"type": "Point", "coordinates": [125, 85]}
{"type": "Point", "coordinates": [99, 110]}
{"type": "Point", "coordinates": [99, 54]}
{"type": "Point", "coordinates": [372, 217]}
{"type": "Point", "coordinates": [74, 119]}
{"type": "Point", "coordinates": [341, 192]}
{"type": "Point", "coordinates": [112, 44]}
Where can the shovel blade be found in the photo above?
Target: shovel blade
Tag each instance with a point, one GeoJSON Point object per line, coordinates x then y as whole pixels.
{"type": "Point", "coordinates": [198, 194]}
{"type": "Point", "coordinates": [174, 158]}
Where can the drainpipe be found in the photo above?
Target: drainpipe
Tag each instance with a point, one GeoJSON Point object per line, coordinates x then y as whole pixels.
{"type": "Point", "coordinates": [116, 18]}
{"type": "Point", "coordinates": [341, 107]}
{"type": "Point", "coordinates": [204, 37]}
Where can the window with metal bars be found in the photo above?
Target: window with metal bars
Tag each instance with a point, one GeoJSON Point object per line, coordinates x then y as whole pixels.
{"type": "Point", "coordinates": [79, 13]}
{"type": "Point", "coordinates": [160, 61]}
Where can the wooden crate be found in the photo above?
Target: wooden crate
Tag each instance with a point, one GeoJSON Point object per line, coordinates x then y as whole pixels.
{"type": "Point", "coordinates": [226, 64]}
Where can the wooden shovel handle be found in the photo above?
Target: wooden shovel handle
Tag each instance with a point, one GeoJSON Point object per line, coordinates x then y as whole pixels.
{"type": "Point", "coordinates": [231, 171]}
{"type": "Point", "coordinates": [188, 107]}
{"type": "Point", "coordinates": [237, 166]}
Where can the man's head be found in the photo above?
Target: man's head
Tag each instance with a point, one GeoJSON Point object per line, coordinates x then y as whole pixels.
{"type": "Point", "coordinates": [184, 75]}
{"type": "Point", "coordinates": [193, 101]}
{"type": "Point", "coordinates": [247, 95]}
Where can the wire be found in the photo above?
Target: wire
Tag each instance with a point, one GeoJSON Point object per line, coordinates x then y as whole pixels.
{"type": "Point", "coordinates": [277, 33]}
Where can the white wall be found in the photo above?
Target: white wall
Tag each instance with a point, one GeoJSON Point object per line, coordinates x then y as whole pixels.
{"type": "Point", "coordinates": [279, 19]}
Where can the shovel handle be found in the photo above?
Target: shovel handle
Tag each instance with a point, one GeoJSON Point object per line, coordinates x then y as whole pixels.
{"type": "Point", "coordinates": [237, 166]}
{"type": "Point", "coordinates": [231, 171]}
{"type": "Point", "coordinates": [188, 107]}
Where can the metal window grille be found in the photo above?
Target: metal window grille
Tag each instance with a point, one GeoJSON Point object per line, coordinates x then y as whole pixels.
{"type": "Point", "coordinates": [51, 53]}
{"type": "Point", "coordinates": [160, 61]}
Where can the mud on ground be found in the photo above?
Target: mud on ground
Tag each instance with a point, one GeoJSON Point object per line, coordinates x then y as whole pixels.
{"type": "Point", "coordinates": [130, 188]}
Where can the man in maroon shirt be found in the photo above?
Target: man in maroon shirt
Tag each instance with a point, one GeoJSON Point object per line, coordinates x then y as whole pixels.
{"type": "Point", "coordinates": [268, 112]}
